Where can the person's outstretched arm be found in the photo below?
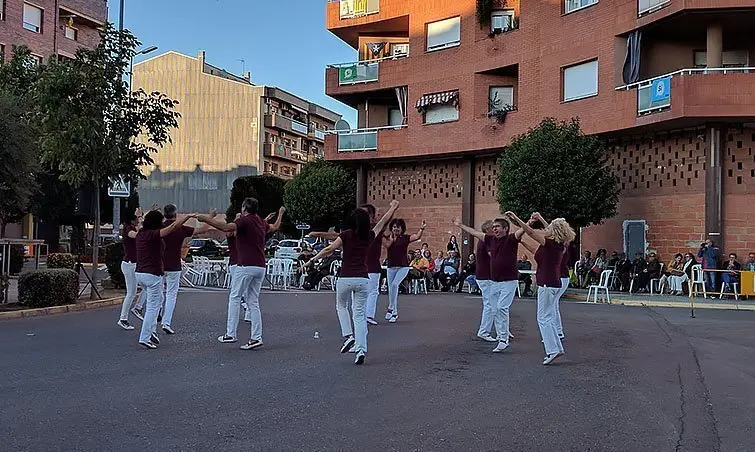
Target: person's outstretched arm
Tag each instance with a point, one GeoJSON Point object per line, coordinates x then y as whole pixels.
{"type": "Point", "coordinates": [473, 232]}
{"type": "Point", "coordinates": [380, 225]}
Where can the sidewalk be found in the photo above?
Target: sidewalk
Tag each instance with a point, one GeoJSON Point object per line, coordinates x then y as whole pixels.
{"type": "Point", "coordinates": [667, 301]}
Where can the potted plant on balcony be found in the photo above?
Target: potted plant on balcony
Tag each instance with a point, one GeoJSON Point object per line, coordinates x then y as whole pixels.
{"type": "Point", "coordinates": [497, 109]}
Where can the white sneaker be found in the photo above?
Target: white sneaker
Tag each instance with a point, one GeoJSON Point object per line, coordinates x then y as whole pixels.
{"type": "Point", "coordinates": [487, 337]}
{"type": "Point", "coordinates": [168, 329]}
{"type": "Point", "coordinates": [226, 339]}
{"type": "Point", "coordinates": [388, 315]}
{"type": "Point", "coordinates": [347, 344]}
{"type": "Point", "coordinates": [501, 347]}
{"type": "Point", "coordinates": [359, 359]}
{"type": "Point", "coordinates": [125, 325]}
{"type": "Point", "coordinates": [511, 336]}
{"type": "Point", "coordinates": [393, 319]}
{"type": "Point", "coordinates": [550, 358]}
{"type": "Point", "coordinates": [371, 321]}
{"type": "Point", "coordinates": [251, 345]}
{"type": "Point", "coordinates": [137, 313]}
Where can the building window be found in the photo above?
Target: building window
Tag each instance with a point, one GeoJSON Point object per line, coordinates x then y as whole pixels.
{"type": "Point", "coordinates": [2, 53]}
{"type": "Point", "coordinates": [395, 118]}
{"type": "Point", "coordinates": [444, 33]}
{"type": "Point", "coordinates": [32, 18]}
{"type": "Point", "coordinates": [502, 20]}
{"type": "Point", "coordinates": [731, 58]}
{"type": "Point", "coordinates": [580, 80]}
{"type": "Point", "coordinates": [439, 113]}
{"type": "Point", "coordinates": [71, 33]}
{"type": "Point", "coordinates": [500, 98]}
{"type": "Point", "coordinates": [574, 5]}
{"type": "Point", "coordinates": [36, 59]}
{"type": "Point", "coordinates": [399, 50]}
{"type": "Point", "coordinates": [2, 9]}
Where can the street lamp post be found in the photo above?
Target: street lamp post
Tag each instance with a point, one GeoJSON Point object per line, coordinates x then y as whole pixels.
{"type": "Point", "coordinates": [149, 49]}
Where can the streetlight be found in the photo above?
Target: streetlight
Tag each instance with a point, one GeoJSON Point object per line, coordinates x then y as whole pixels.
{"type": "Point", "coordinates": [149, 49]}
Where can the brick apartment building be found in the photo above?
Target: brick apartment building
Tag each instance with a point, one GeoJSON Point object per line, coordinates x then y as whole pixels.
{"type": "Point", "coordinates": [665, 82]}
{"type": "Point", "coordinates": [48, 27]}
{"type": "Point", "coordinates": [229, 128]}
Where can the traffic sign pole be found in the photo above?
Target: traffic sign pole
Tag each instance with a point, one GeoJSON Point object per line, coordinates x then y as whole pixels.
{"type": "Point", "coordinates": [118, 189]}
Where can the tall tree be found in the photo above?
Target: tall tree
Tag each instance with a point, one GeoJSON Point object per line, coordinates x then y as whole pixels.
{"type": "Point", "coordinates": [557, 170]}
{"type": "Point", "coordinates": [93, 127]}
{"type": "Point", "coordinates": [17, 162]}
{"type": "Point", "coordinates": [321, 195]}
{"type": "Point", "coordinates": [267, 189]}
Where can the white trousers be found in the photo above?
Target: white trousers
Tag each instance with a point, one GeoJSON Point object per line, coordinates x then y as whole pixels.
{"type": "Point", "coordinates": [557, 305]}
{"type": "Point", "coordinates": [546, 313]}
{"type": "Point", "coordinates": [235, 297]}
{"type": "Point", "coordinates": [152, 285]}
{"type": "Point", "coordinates": [373, 293]}
{"type": "Point", "coordinates": [675, 283]}
{"type": "Point", "coordinates": [356, 290]}
{"type": "Point", "coordinates": [249, 280]}
{"type": "Point", "coordinates": [395, 276]}
{"type": "Point", "coordinates": [129, 274]}
{"type": "Point", "coordinates": [501, 296]}
{"type": "Point", "coordinates": [488, 310]}
{"type": "Point", "coordinates": [172, 281]}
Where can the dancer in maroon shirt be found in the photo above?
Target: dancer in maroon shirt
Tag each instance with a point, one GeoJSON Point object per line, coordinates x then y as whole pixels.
{"type": "Point", "coordinates": [353, 282]}
{"type": "Point", "coordinates": [548, 256]}
{"type": "Point", "coordinates": [131, 226]}
{"type": "Point", "coordinates": [398, 263]}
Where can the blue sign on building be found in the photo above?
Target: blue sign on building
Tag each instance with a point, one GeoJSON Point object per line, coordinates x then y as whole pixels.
{"type": "Point", "coordinates": [661, 89]}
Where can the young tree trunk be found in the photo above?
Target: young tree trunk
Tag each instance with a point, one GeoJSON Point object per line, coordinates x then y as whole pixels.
{"type": "Point", "coordinates": [96, 237]}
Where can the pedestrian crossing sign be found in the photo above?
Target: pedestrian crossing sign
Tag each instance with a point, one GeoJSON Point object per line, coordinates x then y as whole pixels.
{"type": "Point", "coordinates": [119, 188]}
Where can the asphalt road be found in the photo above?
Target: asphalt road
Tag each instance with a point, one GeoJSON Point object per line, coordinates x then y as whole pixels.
{"type": "Point", "coordinates": [632, 379]}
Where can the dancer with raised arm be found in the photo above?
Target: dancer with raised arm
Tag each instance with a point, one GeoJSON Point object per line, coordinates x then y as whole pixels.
{"type": "Point", "coordinates": [353, 282]}
{"type": "Point", "coordinates": [250, 231]}
{"type": "Point", "coordinates": [482, 274]}
{"type": "Point", "coordinates": [548, 256]}
{"type": "Point", "coordinates": [131, 226]}
{"type": "Point", "coordinates": [398, 262]}
{"type": "Point", "coordinates": [149, 269]}
{"type": "Point", "coordinates": [504, 276]}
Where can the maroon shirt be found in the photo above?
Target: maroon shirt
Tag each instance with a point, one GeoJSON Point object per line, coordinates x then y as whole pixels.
{"type": "Point", "coordinates": [548, 258]}
{"type": "Point", "coordinates": [355, 254]}
{"type": "Point", "coordinates": [129, 245]}
{"type": "Point", "coordinates": [503, 257]}
{"type": "Point", "coordinates": [482, 269]}
{"type": "Point", "coordinates": [250, 240]}
{"type": "Point", "coordinates": [373, 255]}
{"type": "Point", "coordinates": [233, 259]}
{"type": "Point", "coordinates": [149, 252]}
{"type": "Point", "coordinates": [397, 252]}
{"type": "Point", "coordinates": [565, 263]}
{"type": "Point", "coordinates": [173, 244]}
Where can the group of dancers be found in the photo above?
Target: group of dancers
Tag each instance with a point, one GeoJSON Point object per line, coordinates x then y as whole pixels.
{"type": "Point", "coordinates": [152, 247]}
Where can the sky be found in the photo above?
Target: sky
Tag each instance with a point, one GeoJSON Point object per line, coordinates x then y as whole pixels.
{"type": "Point", "coordinates": [283, 43]}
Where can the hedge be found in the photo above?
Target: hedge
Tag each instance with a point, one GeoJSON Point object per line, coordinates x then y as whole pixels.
{"type": "Point", "coordinates": [61, 260]}
{"type": "Point", "coordinates": [46, 288]}
{"type": "Point", "coordinates": [113, 259]}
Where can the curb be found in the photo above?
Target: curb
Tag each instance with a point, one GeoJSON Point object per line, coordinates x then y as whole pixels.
{"type": "Point", "coordinates": [39, 312]}
{"type": "Point", "coordinates": [670, 304]}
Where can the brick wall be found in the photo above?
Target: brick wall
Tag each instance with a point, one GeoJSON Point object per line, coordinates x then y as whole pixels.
{"type": "Point", "coordinates": [739, 188]}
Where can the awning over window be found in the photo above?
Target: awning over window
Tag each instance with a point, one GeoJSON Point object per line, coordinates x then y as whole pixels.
{"type": "Point", "coordinates": [448, 97]}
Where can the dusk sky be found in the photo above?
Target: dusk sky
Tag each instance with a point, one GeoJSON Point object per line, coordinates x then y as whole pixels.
{"type": "Point", "coordinates": [282, 42]}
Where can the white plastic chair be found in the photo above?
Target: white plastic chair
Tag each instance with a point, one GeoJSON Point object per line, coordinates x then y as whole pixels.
{"type": "Point", "coordinates": [419, 285]}
{"type": "Point", "coordinates": [698, 280]}
{"type": "Point", "coordinates": [657, 281]}
{"type": "Point", "coordinates": [594, 289]}
{"type": "Point", "coordinates": [286, 273]}
{"type": "Point", "coordinates": [735, 287]}
{"type": "Point", "coordinates": [227, 279]}
{"type": "Point", "coordinates": [332, 278]}
{"type": "Point", "coordinates": [274, 273]}
{"type": "Point", "coordinates": [203, 270]}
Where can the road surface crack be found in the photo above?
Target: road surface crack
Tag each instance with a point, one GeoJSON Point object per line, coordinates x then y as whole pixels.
{"type": "Point", "coordinates": [682, 409]}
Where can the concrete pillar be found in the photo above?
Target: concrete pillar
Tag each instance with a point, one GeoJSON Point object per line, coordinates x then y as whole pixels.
{"type": "Point", "coordinates": [467, 206]}
{"type": "Point", "coordinates": [713, 184]}
{"type": "Point", "coordinates": [715, 46]}
{"type": "Point", "coordinates": [361, 185]}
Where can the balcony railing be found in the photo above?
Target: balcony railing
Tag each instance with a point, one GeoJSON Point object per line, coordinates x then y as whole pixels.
{"type": "Point", "coordinates": [299, 126]}
{"type": "Point", "coordinates": [357, 8]}
{"type": "Point", "coordinates": [649, 6]}
{"type": "Point", "coordinates": [654, 94]}
{"type": "Point", "coordinates": [365, 71]}
{"type": "Point", "coordinates": [283, 151]}
{"type": "Point", "coordinates": [319, 134]}
{"type": "Point", "coordinates": [360, 140]}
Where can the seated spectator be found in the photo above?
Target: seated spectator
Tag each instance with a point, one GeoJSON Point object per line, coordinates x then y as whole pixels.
{"type": "Point", "coordinates": [449, 272]}
{"type": "Point", "coordinates": [613, 260]}
{"type": "Point", "coordinates": [420, 266]}
{"type": "Point", "coordinates": [651, 271]}
{"type": "Point", "coordinates": [749, 266]}
{"type": "Point", "coordinates": [583, 267]}
{"type": "Point", "coordinates": [430, 268]}
{"type": "Point", "coordinates": [436, 273]}
{"type": "Point", "coordinates": [639, 265]}
{"type": "Point", "coordinates": [732, 276]}
{"type": "Point", "coordinates": [600, 264]}
{"type": "Point", "coordinates": [623, 272]}
{"type": "Point", "coordinates": [524, 264]}
{"type": "Point", "coordinates": [675, 275]}
{"type": "Point", "coordinates": [468, 275]}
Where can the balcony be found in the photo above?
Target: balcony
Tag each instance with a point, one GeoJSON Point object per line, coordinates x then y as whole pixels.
{"type": "Point", "coordinates": [696, 93]}
{"type": "Point", "coordinates": [349, 9]}
{"type": "Point", "coordinates": [348, 18]}
{"type": "Point", "coordinates": [284, 152]}
{"type": "Point", "coordinates": [278, 121]}
{"type": "Point", "coordinates": [345, 80]}
{"type": "Point", "coordinates": [317, 134]}
{"type": "Point", "coordinates": [387, 141]}
{"type": "Point", "coordinates": [649, 6]}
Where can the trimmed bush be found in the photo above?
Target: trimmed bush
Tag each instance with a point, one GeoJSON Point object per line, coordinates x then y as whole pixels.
{"type": "Point", "coordinates": [113, 259]}
{"type": "Point", "coordinates": [46, 288]}
{"type": "Point", "coordinates": [61, 260]}
{"type": "Point", "coordinates": [16, 259]}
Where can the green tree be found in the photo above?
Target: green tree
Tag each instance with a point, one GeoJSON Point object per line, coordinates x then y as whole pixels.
{"type": "Point", "coordinates": [322, 195]}
{"type": "Point", "coordinates": [267, 189]}
{"type": "Point", "coordinates": [17, 161]}
{"type": "Point", "coordinates": [557, 170]}
{"type": "Point", "coordinates": [93, 128]}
